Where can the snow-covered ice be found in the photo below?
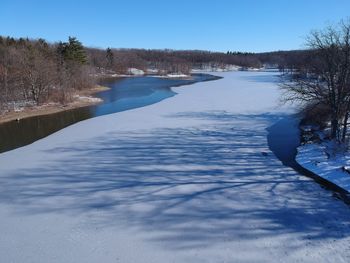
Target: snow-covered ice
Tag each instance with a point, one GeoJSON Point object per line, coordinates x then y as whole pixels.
{"type": "Point", "coordinates": [183, 180]}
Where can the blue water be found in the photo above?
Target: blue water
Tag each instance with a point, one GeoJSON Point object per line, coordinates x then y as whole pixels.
{"type": "Point", "coordinates": [130, 93]}
{"type": "Point", "coordinates": [124, 94]}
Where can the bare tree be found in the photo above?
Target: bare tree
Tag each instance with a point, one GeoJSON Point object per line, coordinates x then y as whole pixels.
{"type": "Point", "coordinates": [36, 71]}
{"type": "Point", "coordinates": [325, 79]}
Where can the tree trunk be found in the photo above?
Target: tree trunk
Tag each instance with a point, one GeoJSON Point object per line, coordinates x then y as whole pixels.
{"type": "Point", "coordinates": [345, 124]}
{"type": "Point", "coordinates": [334, 128]}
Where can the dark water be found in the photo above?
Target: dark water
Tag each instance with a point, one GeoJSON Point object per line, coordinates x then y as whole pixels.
{"type": "Point", "coordinates": [125, 94]}
{"type": "Point", "coordinates": [283, 139]}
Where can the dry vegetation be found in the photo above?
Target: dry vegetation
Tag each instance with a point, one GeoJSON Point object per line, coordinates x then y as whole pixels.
{"type": "Point", "coordinates": [322, 82]}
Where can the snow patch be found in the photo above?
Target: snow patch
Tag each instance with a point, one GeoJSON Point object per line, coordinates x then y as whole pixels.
{"type": "Point", "coordinates": [135, 71]}
{"type": "Point", "coordinates": [87, 99]}
{"type": "Point", "coordinates": [178, 75]}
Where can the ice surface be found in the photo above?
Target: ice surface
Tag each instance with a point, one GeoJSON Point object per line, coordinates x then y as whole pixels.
{"type": "Point", "coordinates": [183, 180]}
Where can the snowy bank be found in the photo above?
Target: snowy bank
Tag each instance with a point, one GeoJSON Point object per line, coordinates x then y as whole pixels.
{"type": "Point", "coordinates": [224, 68]}
{"type": "Point", "coordinates": [333, 168]}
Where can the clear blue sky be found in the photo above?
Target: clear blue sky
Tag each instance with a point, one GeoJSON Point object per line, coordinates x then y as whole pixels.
{"type": "Point", "coordinates": [218, 25]}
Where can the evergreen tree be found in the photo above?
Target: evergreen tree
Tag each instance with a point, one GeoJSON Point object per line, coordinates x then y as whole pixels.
{"type": "Point", "coordinates": [60, 50]}
{"type": "Point", "coordinates": [110, 58]}
{"type": "Point", "coordinates": [74, 51]}
{"type": "Point", "coordinates": [10, 41]}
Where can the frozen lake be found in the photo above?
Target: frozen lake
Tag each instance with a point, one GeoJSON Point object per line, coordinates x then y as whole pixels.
{"type": "Point", "coordinates": [198, 177]}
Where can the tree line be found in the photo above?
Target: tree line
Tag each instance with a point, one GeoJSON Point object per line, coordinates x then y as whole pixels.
{"type": "Point", "coordinates": [182, 61]}
{"type": "Point", "coordinates": [33, 72]}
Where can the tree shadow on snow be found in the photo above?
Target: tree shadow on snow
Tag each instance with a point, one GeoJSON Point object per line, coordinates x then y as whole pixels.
{"type": "Point", "coordinates": [190, 187]}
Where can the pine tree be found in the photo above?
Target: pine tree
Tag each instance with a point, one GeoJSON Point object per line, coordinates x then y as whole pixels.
{"type": "Point", "coordinates": [74, 51]}
{"type": "Point", "coordinates": [109, 57]}
{"type": "Point", "coordinates": [60, 50]}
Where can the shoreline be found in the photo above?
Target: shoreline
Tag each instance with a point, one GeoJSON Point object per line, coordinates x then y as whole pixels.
{"type": "Point", "coordinates": [83, 102]}
{"type": "Point", "coordinates": [330, 171]}
{"type": "Point", "coordinates": [83, 98]}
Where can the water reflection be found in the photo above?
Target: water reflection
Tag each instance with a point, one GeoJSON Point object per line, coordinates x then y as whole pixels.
{"type": "Point", "coordinates": [16, 134]}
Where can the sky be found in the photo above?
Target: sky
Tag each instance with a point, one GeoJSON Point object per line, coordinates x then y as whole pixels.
{"type": "Point", "coordinates": [216, 25]}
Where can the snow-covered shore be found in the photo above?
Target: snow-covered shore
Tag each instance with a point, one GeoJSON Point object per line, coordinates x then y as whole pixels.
{"type": "Point", "coordinates": [333, 168]}
{"type": "Point", "coordinates": [189, 179]}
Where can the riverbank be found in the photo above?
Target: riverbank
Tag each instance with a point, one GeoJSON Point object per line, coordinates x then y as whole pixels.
{"type": "Point", "coordinates": [325, 161]}
{"type": "Point", "coordinates": [81, 99]}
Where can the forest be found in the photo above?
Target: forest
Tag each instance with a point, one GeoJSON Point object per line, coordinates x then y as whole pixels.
{"type": "Point", "coordinates": [34, 71]}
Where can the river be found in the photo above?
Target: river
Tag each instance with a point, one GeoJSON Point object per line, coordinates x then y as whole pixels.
{"type": "Point", "coordinates": [124, 94]}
